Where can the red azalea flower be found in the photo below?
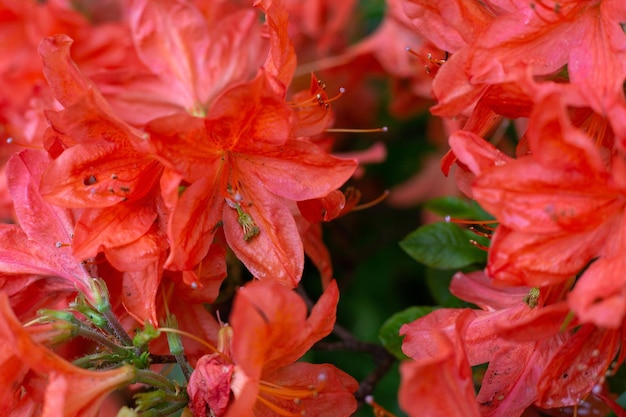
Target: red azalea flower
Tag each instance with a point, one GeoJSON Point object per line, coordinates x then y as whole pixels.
{"type": "Point", "coordinates": [254, 374]}
{"type": "Point", "coordinates": [239, 167]}
{"type": "Point", "coordinates": [533, 354]}
{"type": "Point", "coordinates": [559, 208]}
{"type": "Point", "coordinates": [189, 57]}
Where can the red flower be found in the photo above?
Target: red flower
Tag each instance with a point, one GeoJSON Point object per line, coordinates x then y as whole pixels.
{"type": "Point", "coordinates": [533, 354]}
{"type": "Point", "coordinates": [270, 330]}
{"type": "Point", "coordinates": [188, 57]}
{"type": "Point", "coordinates": [239, 167]}
{"type": "Point", "coordinates": [556, 206]}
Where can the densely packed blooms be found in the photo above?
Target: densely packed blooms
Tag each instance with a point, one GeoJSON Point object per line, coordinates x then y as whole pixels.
{"type": "Point", "coordinates": [169, 164]}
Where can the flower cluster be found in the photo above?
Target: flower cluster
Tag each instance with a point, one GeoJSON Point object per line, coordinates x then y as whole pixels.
{"type": "Point", "coordinates": [169, 164]}
{"type": "Point", "coordinates": [149, 142]}
{"type": "Point", "coordinates": [552, 301]}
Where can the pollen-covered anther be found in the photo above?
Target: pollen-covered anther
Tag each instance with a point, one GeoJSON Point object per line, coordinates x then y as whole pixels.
{"type": "Point", "coordinates": [250, 229]}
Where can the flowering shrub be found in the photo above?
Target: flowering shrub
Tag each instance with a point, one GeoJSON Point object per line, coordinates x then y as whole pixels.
{"type": "Point", "coordinates": [187, 186]}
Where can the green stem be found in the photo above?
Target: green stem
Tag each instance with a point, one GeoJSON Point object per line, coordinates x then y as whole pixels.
{"type": "Point", "coordinates": [88, 333]}
{"type": "Point", "coordinates": [155, 380]}
{"type": "Point", "coordinates": [117, 328]}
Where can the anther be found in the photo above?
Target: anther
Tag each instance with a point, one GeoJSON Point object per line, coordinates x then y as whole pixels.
{"type": "Point", "coordinates": [59, 245]}
{"type": "Point", "coordinates": [478, 245]}
{"type": "Point", "coordinates": [12, 141]}
{"type": "Point", "coordinates": [480, 233]}
{"type": "Point", "coordinates": [113, 176]}
{"type": "Point", "coordinates": [484, 224]}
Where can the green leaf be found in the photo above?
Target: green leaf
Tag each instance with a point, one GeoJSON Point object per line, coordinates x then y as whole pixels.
{"type": "Point", "coordinates": [389, 332]}
{"type": "Point", "coordinates": [444, 246]}
{"type": "Point", "coordinates": [459, 208]}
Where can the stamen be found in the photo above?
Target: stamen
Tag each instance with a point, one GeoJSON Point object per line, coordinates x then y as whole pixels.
{"type": "Point", "coordinates": [429, 60]}
{"type": "Point", "coordinates": [319, 100]}
{"type": "Point", "coordinates": [379, 411]}
{"type": "Point", "coordinates": [278, 410]}
{"type": "Point", "coordinates": [372, 203]}
{"type": "Point", "coordinates": [532, 298]}
{"type": "Point", "coordinates": [196, 338]}
{"type": "Point", "coordinates": [62, 245]}
{"type": "Point", "coordinates": [296, 395]}
{"type": "Point", "coordinates": [293, 393]}
{"type": "Point", "coordinates": [480, 233]}
{"type": "Point", "coordinates": [373, 130]}
{"type": "Point", "coordinates": [449, 219]}
{"type": "Point", "coordinates": [12, 141]}
{"type": "Point", "coordinates": [250, 229]}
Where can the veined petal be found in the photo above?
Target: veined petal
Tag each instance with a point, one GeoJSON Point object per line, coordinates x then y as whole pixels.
{"type": "Point", "coordinates": [66, 79]}
{"type": "Point", "coordinates": [525, 195]}
{"type": "Point", "coordinates": [275, 252]}
{"type": "Point", "coordinates": [181, 144]}
{"type": "Point", "coordinates": [194, 220]}
{"type": "Point", "coordinates": [298, 170]}
{"type": "Point", "coordinates": [478, 289]}
{"type": "Point", "coordinates": [195, 57]}
{"type": "Point", "coordinates": [42, 222]}
{"type": "Point", "coordinates": [274, 320]}
{"type": "Point", "coordinates": [334, 397]}
{"type": "Point", "coordinates": [119, 225]}
{"type": "Point", "coordinates": [281, 59]}
{"type": "Point", "coordinates": [536, 260]}
{"type": "Point", "coordinates": [578, 366]}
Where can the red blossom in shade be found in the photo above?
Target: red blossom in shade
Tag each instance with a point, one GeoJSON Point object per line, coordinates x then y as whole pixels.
{"type": "Point", "coordinates": [559, 208]}
{"type": "Point", "coordinates": [240, 167]}
{"type": "Point", "coordinates": [270, 330]}
{"type": "Point", "coordinates": [31, 371]}
{"type": "Point", "coordinates": [534, 355]}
